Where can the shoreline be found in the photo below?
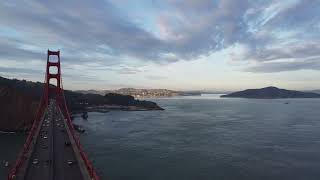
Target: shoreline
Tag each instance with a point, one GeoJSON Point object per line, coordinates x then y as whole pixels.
{"type": "Point", "coordinates": [8, 132]}
{"type": "Point", "coordinates": [99, 109]}
{"type": "Point", "coordinates": [107, 108]}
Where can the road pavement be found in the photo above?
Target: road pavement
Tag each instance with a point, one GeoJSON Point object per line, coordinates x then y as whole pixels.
{"type": "Point", "coordinates": [53, 157]}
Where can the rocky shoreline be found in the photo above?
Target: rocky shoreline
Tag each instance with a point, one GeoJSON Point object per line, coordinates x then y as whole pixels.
{"type": "Point", "coordinates": [107, 108]}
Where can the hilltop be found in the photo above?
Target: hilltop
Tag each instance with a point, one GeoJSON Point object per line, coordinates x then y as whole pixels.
{"type": "Point", "coordinates": [272, 93]}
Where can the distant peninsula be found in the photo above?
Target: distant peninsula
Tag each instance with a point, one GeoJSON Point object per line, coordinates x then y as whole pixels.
{"type": "Point", "coordinates": [143, 93]}
{"type": "Point", "coordinates": [271, 93]}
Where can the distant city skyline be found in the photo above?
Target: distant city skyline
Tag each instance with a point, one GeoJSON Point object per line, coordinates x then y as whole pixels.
{"type": "Point", "coordinates": [222, 45]}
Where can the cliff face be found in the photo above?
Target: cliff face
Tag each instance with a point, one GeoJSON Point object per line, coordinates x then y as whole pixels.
{"type": "Point", "coordinates": [17, 109]}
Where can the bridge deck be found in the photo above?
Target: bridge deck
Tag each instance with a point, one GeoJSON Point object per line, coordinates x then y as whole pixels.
{"type": "Point", "coordinates": [53, 156]}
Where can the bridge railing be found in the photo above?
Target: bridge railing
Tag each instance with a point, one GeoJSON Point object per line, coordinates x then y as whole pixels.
{"type": "Point", "coordinates": [26, 147]}
{"type": "Point", "coordinates": [85, 158]}
{"type": "Point", "coordinates": [63, 106]}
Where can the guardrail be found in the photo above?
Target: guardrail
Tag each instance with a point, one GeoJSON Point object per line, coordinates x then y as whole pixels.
{"type": "Point", "coordinates": [85, 158]}
{"type": "Point", "coordinates": [26, 147]}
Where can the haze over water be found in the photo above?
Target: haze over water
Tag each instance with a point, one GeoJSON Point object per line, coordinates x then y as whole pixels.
{"type": "Point", "coordinates": [202, 138]}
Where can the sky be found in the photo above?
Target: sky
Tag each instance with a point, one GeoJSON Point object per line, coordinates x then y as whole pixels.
{"type": "Point", "coordinates": [173, 44]}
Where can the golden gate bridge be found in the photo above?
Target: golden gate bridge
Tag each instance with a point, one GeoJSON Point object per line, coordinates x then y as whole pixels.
{"type": "Point", "coordinates": [52, 149]}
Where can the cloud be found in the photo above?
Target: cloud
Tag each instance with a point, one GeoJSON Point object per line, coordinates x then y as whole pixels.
{"type": "Point", "coordinates": [79, 27]}
{"type": "Point", "coordinates": [196, 28]}
{"type": "Point", "coordinates": [271, 67]}
{"type": "Point", "coordinates": [20, 70]}
{"type": "Point", "coordinates": [156, 77]}
{"type": "Point", "coordinates": [98, 32]}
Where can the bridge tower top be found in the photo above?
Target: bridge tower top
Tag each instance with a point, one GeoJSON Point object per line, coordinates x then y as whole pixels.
{"type": "Point", "coordinates": [53, 84]}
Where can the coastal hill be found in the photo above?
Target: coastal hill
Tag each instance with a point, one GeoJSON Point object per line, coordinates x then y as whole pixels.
{"type": "Point", "coordinates": [19, 100]}
{"type": "Point", "coordinates": [315, 91]}
{"type": "Point", "coordinates": [143, 93]}
{"type": "Point", "coordinates": [271, 93]}
{"type": "Point", "coordinates": [17, 109]}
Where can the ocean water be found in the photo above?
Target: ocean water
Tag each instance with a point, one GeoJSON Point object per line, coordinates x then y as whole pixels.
{"type": "Point", "coordinates": [204, 138]}
{"type": "Point", "coordinates": [10, 146]}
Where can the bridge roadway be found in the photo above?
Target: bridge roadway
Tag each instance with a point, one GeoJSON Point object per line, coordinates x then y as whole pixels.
{"type": "Point", "coordinates": [53, 156]}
